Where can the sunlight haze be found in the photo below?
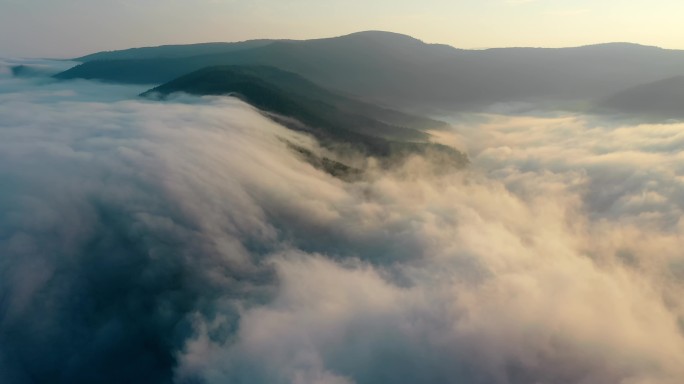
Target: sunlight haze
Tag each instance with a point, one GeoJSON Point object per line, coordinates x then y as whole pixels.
{"type": "Point", "coordinates": [69, 28]}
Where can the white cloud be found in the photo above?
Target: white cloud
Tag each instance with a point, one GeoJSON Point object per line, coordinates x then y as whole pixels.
{"type": "Point", "coordinates": [188, 230]}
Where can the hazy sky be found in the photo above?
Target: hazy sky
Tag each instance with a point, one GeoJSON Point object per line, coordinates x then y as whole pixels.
{"type": "Point", "coordinates": [64, 28]}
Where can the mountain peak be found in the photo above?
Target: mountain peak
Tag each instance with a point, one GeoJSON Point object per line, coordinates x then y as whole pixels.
{"type": "Point", "coordinates": [383, 37]}
{"type": "Point", "coordinates": [381, 34]}
{"type": "Point", "coordinates": [619, 46]}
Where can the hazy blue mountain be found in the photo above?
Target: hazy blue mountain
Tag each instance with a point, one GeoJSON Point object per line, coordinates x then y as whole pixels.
{"type": "Point", "coordinates": [661, 99]}
{"type": "Point", "coordinates": [174, 51]}
{"type": "Point", "coordinates": [328, 116]}
{"type": "Point", "coordinates": [403, 72]}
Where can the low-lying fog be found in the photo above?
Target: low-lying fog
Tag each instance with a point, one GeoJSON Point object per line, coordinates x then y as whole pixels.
{"type": "Point", "coordinates": [183, 241]}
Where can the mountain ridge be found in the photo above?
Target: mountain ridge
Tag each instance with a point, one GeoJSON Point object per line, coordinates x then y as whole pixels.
{"type": "Point", "coordinates": [218, 45]}
{"type": "Point", "coordinates": [172, 50]}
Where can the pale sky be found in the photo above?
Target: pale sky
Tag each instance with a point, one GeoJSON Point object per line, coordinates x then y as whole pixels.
{"type": "Point", "coordinates": [68, 28]}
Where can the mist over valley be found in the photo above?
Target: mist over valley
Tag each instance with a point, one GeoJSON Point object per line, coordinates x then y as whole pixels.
{"type": "Point", "coordinates": [361, 209]}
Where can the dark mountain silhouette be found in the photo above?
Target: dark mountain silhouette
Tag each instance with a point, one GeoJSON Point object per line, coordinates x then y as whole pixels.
{"type": "Point", "coordinates": [403, 72]}
{"type": "Point", "coordinates": [332, 118]}
{"type": "Point", "coordinates": [663, 99]}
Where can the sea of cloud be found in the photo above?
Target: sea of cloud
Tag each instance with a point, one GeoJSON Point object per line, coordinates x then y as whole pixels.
{"type": "Point", "coordinates": [185, 241]}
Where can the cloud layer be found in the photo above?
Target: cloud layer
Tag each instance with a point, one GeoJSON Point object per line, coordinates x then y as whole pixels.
{"type": "Point", "coordinates": [185, 242]}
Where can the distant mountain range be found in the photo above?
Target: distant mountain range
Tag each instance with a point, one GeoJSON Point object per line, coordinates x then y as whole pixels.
{"type": "Point", "coordinates": [402, 72]}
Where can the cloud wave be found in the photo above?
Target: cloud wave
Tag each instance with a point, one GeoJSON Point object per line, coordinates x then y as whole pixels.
{"type": "Point", "coordinates": [186, 242]}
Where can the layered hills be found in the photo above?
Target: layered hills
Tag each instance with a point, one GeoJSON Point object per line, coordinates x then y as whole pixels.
{"type": "Point", "coordinates": [402, 72]}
